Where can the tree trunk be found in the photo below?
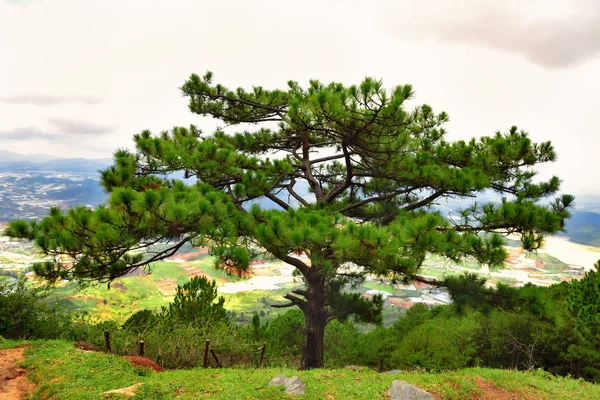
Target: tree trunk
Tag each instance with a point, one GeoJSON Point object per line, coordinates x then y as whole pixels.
{"type": "Point", "coordinates": [315, 317]}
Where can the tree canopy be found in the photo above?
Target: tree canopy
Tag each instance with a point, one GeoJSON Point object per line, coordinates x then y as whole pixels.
{"type": "Point", "coordinates": [375, 171]}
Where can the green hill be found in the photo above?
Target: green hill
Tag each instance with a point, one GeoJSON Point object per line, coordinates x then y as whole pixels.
{"type": "Point", "coordinates": [61, 371]}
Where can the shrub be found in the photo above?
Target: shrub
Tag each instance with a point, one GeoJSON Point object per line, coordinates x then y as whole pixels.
{"type": "Point", "coordinates": [439, 344]}
{"type": "Point", "coordinates": [26, 312]}
{"type": "Point", "coordinates": [341, 344]}
{"type": "Point", "coordinates": [285, 334]}
{"type": "Point", "coordinates": [140, 321]}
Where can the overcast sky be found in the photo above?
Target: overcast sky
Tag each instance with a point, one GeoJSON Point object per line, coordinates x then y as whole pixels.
{"type": "Point", "coordinates": [79, 77]}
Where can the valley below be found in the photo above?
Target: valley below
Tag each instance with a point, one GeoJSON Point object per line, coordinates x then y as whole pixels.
{"type": "Point", "coordinates": [270, 280]}
{"type": "Point", "coordinates": [29, 189]}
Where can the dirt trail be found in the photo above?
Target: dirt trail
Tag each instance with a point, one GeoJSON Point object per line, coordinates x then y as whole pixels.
{"type": "Point", "coordinates": [14, 385]}
{"type": "Point", "coordinates": [493, 392]}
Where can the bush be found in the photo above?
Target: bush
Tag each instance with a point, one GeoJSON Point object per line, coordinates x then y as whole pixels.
{"type": "Point", "coordinates": [341, 344]}
{"type": "Point", "coordinates": [285, 334]}
{"type": "Point", "coordinates": [141, 321]}
{"type": "Point", "coordinates": [26, 312]}
{"type": "Point", "coordinates": [375, 346]}
{"type": "Point", "coordinates": [439, 344]}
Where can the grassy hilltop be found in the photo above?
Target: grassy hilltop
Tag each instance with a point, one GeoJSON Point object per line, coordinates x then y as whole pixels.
{"type": "Point", "coordinates": [61, 371]}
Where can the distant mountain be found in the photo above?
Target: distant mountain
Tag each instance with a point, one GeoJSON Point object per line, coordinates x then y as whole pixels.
{"type": "Point", "coordinates": [31, 184]}
{"type": "Point", "coordinates": [10, 157]}
{"type": "Point", "coordinates": [77, 164]}
{"type": "Point", "coordinates": [584, 228]}
{"type": "Point", "coordinates": [14, 162]}
{"type": "Point", "coordinates": [587, 202]}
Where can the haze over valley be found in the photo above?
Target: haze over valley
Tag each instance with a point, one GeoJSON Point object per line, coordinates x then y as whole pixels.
{"type": "Point", "coordinates": [29, 186]}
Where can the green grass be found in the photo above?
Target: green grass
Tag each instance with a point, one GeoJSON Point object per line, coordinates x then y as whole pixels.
{"type": "Point", "coordinates": [255, 301]}
{"type": "Point", "coordinates": [173, 270]}
{"type": "Point", "coordinates": [63, 372]}
{"type": "Point", "coordinates": [384, 287]}
{"type": "Point", "coordinates": [8, 343]}
{"type": "Point", "coordinates": [551, 264]}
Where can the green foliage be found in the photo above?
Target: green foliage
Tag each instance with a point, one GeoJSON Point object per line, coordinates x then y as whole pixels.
{"type": "Point", "coordinates": [194, 303]}
{"type": "Point", "coordinates": [341, 344]}
{"type": "Point", "coordinates": [439, 344]}
{"type": "Point", "coordinates": [284, 335]}
{"type": "Point", "coordinates": [584, 306]}
{"type": "Point", "coordinates": [25, 312]}
{"type": "Point", "coordinates": [141, 321]}
{"type": "Point", "coordinates": [372, 196]}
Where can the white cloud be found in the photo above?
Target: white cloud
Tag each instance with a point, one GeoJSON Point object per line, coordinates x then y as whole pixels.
{"type": "Point", "coordinates": [552, 34]}
{"type": "Point", "coordinates": [75, 127]}
{"type": "Point", "coordinates": [490, 64]}
{"type": "Point", "coordinates": [49, 100]}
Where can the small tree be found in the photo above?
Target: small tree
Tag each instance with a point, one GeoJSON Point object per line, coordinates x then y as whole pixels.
{"type": "Point", "coordinates": [375, 171]}
{"type": "Point", "coordinates": [194, 303]}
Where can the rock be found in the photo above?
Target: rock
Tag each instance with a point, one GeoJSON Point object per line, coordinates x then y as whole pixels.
{"type": "Point", "coordinates": [392, 372]}
{"type": "Point", "coordinates": [354, 367]}
{"type": "Point", "coordinates": [128, 391]}
{"type": "Point", "coordinates": [292, 385]}
{"type": "Point", "coordinates": [401, 390]}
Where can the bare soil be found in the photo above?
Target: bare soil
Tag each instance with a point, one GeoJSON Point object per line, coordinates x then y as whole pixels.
{"type": "Point", "coordinates": [138, 361]}
{"type": "Point", "coordinates": [493, 392]}
{"type": "Point", "coordinates": [14, 385]}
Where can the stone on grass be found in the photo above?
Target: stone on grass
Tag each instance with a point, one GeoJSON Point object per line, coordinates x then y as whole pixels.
{"type": "Point", "coordinates": [292, 385]}
{"type": "Point", "coordinates": [401, 390]}
{"type": "Point", "coordinates": [392, 372]}
{"type": "Point", "coordinates": [354, 367]}
{"type": "Point", "coordinates": [127, 391]}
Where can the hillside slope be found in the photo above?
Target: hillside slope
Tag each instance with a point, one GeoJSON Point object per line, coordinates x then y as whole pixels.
{"type": "Point", "coordinates": [64, 372]}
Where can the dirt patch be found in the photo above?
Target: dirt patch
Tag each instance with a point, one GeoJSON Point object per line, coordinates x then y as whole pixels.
{"type": "Point", "coordinates": [135, 272]}
{"type": "Point", "coordinates": [265, 271]}
{"type": "Point", "coordinates": [119, 286]}
{"type": "Point", "coordinates": [194, 271]}
{"type": "Point", "coordinates": [400, 302]}
{"type": "Point", "coordinates": [166, 285]}
{"type": "Point", "coordinates": [14, 384]}
{"type": "Point", "coordinates": [489, 391]}
{"type": "Point", "coordinates": [81, 345]}
{"type": "Point", "coordinates": [138, 361]}
{"type": "Point", "coordinates": [187, 256]}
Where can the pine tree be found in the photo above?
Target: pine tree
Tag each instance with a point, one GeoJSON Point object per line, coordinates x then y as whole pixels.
{"type": "Point", "coordinates": [375, 171]}
{"type": "Point", "coordinates": [584, 307]}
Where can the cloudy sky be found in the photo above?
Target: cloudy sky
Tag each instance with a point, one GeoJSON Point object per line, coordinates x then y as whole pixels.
{"type": "Point", "coordinates": [79, 77]}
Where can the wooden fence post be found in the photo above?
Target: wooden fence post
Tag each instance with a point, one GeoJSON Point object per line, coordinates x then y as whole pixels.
{"type": "Point", "coordinates": [141, 352]}
{"type": "Point", "coordinates": [262, 353]}
{"type": "Point", "coordinates": [107, 341]}
{"type": "Point", "coordinates": [206, 345]}
{"type": "Point", "coordinates": [216, 358]}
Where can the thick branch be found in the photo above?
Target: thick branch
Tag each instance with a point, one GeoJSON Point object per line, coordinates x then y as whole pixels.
{"type": "Point", "coordinates": [283, 305]}
{"type": "Point", "coordinates": [314, 184]}
{"type": "Point", "coordinates": [424, 201]}
{"type": "Point", "coordinates": [347, 182]}
{"type": "Point", "coordinates": [291, 191]}
{"type": "Point", "coordinates": [278, 201]}
{"type": "Point", "coordinates": [374, 199]}
{"type": "Point", "coordinates": [294, 301]}
{"type": "Point", "coordinates": [265, 107]}
{"type": "Point", "coordinates": [302, 267]}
